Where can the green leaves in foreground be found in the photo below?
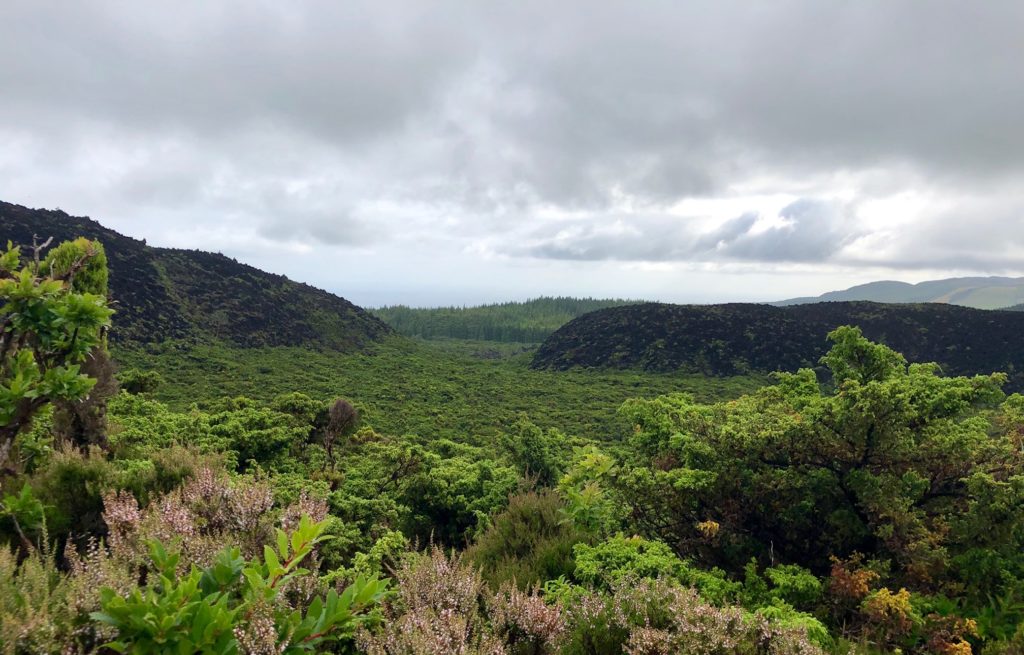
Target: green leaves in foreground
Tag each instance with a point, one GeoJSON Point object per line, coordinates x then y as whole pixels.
{"type": "Point", "coordinates": [235, 605]}
{"type": "Point", "coordinates": [48, 325]}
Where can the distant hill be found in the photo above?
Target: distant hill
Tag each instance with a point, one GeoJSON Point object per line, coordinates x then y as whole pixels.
{"type": "Point", "coordinates": [977, 292]}
{"type": "Point", "coordinates": [162, 293]}
{"type": "Point", "coordinates": [530, 321]}
{"type": "Point", "coordinates": [739, 338]}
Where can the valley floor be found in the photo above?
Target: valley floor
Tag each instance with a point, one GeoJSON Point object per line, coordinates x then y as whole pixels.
{"type": "Point", "coordinates": [453, 389]}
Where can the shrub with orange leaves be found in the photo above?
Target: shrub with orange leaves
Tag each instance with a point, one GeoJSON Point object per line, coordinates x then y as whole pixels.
{"type": "Point", "coordinates": [850, 580]}
{"type": "Point", "coordinates": [947, 635]}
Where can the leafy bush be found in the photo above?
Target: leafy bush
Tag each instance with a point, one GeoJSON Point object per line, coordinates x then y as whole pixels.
{"type": "Point", "coordinates": [235, 604]}
{"type": "Point", "coordinates": [135, 381]}
{"type": "Point", "coordinates": [452, 496]}
{"type": "Point", "coordinates": [53, 315]}
{"type": "Point", "coordinates": [894, 461]}
{"type": "Point", "coordinates": [622, 558]}
{"type": "Point", "coordinates": [539, 455]}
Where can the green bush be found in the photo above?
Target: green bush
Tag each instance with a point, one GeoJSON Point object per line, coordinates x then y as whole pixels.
{"type": "Point", "coordinates": [52, 316]}
{"type": "Point", "coordinates": [235, 605]}
{"type": "Point", "coordinates": [528, 543]}
{"type": "Point", "coordinates": [621, 558]}
{"type": "Point", "coordinates": [135, 381]}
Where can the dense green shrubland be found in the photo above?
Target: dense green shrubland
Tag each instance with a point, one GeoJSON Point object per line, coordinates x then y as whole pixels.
{"type": "Point", "coordinates": [406, 387]}
{"type": "Point", "coordinates": [877, 511]}
{"type": "Point", "coordinates": [530, 321]}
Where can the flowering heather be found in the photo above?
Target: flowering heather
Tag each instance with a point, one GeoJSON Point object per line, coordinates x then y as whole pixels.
{"type": "Point", "coordinates": [223, 505]}
{"type": "Point", "coordinates": [210, 511]}
{"type": "Point", "coordinates": [257, 635]}
{"type": "Point", "coordinates": [676, 620]}
{"type": "Point", "coordinates": [657, 617]}
{"type": "Point", "coordinates": [122, 515]}
{"type": "Point", "coordinates": [314, 508]}
{"type": "Point", "coordinates": [437, 610]}
{"type": "Point", "coordinates": [524, 620]}
{"type": "Point", "coordinates": [209, 493]}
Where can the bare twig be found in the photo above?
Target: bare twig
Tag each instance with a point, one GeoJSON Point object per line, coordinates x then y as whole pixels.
{"type": "Point", "coordinates": [37, 248]}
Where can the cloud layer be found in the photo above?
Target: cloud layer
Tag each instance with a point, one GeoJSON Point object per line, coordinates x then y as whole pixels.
{"type": "Point", "coordinates": [858, 136]}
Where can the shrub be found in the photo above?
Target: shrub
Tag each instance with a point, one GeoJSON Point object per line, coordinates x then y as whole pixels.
{"type": "Point", "coordinates": [33, 607]}
{"type": "Point", "coordinates": [786, 583]}
{"type": "Point", "coordinates": [622, 558]}
{"type": "Point", "coordinates": [528, 542]}
{"type": "Point", "coordinates": [342, 420]}
{"type": "Point", "coordinates": [659, 617]}
{"type": "Point", "coordinates": [538, 454]}
{"type": "Point", "coordinates": [890, 617]}
{"type": "Point", "coordinates": [444, 606]}
{"type": "Point", "coordinates": [135, 381]}
{"type": "Point", "coordinates": [71, 487]}
{"type": "Point", "coordinates": [237, 604]}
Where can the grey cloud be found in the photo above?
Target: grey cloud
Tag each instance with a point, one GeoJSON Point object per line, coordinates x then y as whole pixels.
{"type": "Point", "coordinates": [341, 71]}
{"type": "Point", "coordinates": [979, 233]}
{"type": "Point", "coordinates": [632, 239]}
{"type": "Point", "coordinates": [815, 232]}
{"type": "Point", "coordinates": [728, 233]}
{"type": "Point", "coordinates": [492, 111]}
{"type": "Point", "coordinates": [332, 228]}
{"type": "Point", "coordinates": [661, 99]}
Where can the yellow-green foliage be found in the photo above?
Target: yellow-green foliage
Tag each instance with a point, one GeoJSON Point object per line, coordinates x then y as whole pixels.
{"type": "Point", "coordinates": [86, 259]}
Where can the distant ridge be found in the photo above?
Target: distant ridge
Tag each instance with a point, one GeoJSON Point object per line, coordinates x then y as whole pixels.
{"type": "Point", "coordinates": [977, 292]}
{"type": "Point", "coordinates": [741, 338]}
{"type": "Point", "coordinates": [163, 293]}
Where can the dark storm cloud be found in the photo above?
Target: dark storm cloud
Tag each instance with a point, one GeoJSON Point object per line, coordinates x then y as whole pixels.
{"type": "Point", "coordinates": [304, 119]}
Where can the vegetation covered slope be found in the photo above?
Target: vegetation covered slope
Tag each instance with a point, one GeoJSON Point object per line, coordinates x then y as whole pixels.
{"type": "Point", "coordinates": [880, 513]}
{"type": "Point", "coordinates": [978, 292]}
{"type": "Point", "coordinates": [509, 322]}
{"type": "Point", "coordinates": [737, 338]}
{"type": "Point", "coordinates": [161, 293]}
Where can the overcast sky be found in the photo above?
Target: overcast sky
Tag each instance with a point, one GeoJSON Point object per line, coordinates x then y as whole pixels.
{"type": "Point", "coordinates": [461, 152]}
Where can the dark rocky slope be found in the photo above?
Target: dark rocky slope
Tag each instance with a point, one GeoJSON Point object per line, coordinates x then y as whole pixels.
{"type": "Point", "coordinates": [738, 338]}
{"type": "Point", "coordinates": [162, 293]}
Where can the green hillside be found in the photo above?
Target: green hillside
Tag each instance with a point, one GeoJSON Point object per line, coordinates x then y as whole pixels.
{"type": "Point", "coordinates": [977, 292]}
